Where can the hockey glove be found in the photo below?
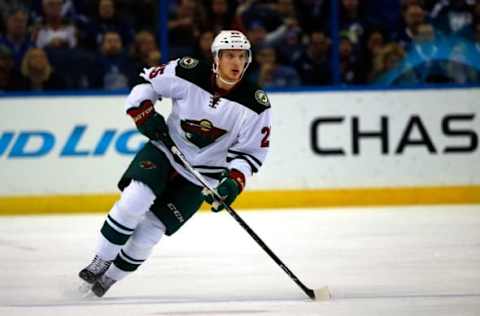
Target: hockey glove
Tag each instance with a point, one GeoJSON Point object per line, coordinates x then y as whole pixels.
{"type": "Point", "coordinates": [228, 188]}
{"type": "Point", "coordinates": [149, 122]}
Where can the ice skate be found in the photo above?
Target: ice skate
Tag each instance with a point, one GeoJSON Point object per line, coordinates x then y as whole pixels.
{"type": "Point", "coordinates": [92, 273]}
{"type": "Point", "coordinates": [101, 286]}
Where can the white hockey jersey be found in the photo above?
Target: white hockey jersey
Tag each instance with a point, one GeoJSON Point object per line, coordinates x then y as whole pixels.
{"type": "Point", "coordinates": [214, 132]}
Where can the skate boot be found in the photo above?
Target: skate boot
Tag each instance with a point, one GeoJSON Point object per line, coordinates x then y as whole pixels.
{"type": "Point", "coordinates": [94, 270]}
{"type": "Point", "coordinates": [102, 285]}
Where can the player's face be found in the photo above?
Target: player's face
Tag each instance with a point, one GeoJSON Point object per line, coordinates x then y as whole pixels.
{"type": "Point", "coordinates": [231, 63]}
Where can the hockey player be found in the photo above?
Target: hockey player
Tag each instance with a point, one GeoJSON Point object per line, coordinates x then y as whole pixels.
{"type": "Point", "coordinates": [220, 122]}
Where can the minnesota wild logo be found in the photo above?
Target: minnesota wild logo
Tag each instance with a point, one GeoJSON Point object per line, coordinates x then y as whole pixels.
{"type": "Point", "coordinates": [262, 98]}
{"type": "Point", "coordinates": [201, 133]}
{"type": "Point", "coordinates": [147, 164]}
{"type": "Point", "coordinates": [188, 62]}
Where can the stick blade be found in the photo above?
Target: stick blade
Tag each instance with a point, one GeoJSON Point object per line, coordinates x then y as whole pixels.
{"type": "Point", "coordinates": [322, 294]}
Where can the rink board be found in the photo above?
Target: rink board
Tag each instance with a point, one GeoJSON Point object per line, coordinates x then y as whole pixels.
{"type": "Point", "coordinates": [344, 148]}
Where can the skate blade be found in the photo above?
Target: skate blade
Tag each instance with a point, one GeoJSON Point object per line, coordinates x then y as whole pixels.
{"type": "Point", "coordinates": [78, 291]}
{"type": "Point", "coordinates": [90, 296]}
{"type": "Point", "coordinates": [84, 288]}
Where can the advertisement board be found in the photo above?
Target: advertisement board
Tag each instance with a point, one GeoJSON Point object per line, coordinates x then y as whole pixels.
{"type": "Point", "coordinates": [327, 148]}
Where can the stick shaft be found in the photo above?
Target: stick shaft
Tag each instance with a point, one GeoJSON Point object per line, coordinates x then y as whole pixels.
{"type": "Point", "coordinates": [309, 292]}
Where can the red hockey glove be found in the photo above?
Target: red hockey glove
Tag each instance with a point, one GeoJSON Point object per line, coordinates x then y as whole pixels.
{"type": "Point", "coordinates": [149, 122]}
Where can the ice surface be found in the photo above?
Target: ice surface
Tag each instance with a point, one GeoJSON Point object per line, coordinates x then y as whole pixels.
{"type": "Point", "coordinates": [378, 261]}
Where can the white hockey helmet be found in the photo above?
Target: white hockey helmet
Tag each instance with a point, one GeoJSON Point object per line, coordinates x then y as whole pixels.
{"type": "Point", "coordinates": [230, 39]}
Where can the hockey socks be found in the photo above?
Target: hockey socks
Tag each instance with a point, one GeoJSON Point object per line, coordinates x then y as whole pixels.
{"type": "Point", "coordinates": [123, 219]}
{"type": "Point", "coordinates": [138, 248]}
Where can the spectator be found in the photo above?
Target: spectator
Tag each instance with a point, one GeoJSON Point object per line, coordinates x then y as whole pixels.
{"type": "Point", "coordinates": [55, 31]}
{"type": "Point", "coordinates": [154, 59]}
{"type": "Point", "coordinates": [313, 64]}
{"type": "Point", "coordinates": [107, 19]}
{"type": "Point", "coordinates": [75, 9]}
{"type": "Point", "coordinates": [285, 9]}
{"type": "Point", "coordinates": [453, 17]}
{"type": "Point", "coordinates": [202, 48]}
{"type": "Point", "coordinates": [10, 79]}
{"type": "Point", "coordinates": [184, 27]}
{"type": "Point", "coordinates": [464, 58]}
{"type": "Point", "coordinates": [69, 8]}
{"type": "Point", "coordinates": [16, 37]}
{"type": "Point", "coordinates": [115, 69]}
{"type": "Point", "coordinates": [375, 43]}
{"type": "Point", "coordinates": [413, 16]}
{"type": "Point", "coordinates": [145, 51]}
{"type": "Point", "coordinates": [387, 59]}
{"type": "Point", "coordinates": [38, 72]}
{"type": "Point", "coordinates": [291, 46]}
{"type": "Point", "coordinates": [259, 37]}
{"type": "Point", "coordinates": [240, 10]}
{"type": "Point", "coordinates": [350, 65]}
{"type": "Point", "coordinates": [270, 73]}
{"type": "Point", "coordinates": [352, 23]}
{"type": "Point", "coordinates": [279, 24]}
{"type": "Point", "coordinates": [458, 68]}
{"type": "Point", "coordinates": [424, 57]}
{"type": "Point", "coordinates": [257, 34]}
{"type": "Point", "coordinates": [218, 16]}
{"type": "Point", "coordinates": [221, 16]}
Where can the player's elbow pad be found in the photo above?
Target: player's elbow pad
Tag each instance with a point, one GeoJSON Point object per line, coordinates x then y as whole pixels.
{"type": "Point", "coordinates": [139, 94]}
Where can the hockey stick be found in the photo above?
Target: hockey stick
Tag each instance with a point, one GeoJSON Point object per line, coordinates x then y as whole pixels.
{"type": "Point", "coordinates": [317, 294]}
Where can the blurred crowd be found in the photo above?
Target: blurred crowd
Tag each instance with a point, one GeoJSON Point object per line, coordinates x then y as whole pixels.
{"type": "Point", "coordinates": [104, 44]}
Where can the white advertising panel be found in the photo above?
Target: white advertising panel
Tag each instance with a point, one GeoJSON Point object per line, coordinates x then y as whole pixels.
{"type": "Point", "coordinates": [82, 144]}
{"type": "Point", "coordinates": [374, 139]}
{"type": "Point", "coordinates": [64, 145]}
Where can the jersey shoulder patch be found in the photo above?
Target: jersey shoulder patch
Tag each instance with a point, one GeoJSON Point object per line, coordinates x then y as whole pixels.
{"type": "Point", "coordinates": [251, 96]}
{"type": "Point", "coordinates": [194, 71]}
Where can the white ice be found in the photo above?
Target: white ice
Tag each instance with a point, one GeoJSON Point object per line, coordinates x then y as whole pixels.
{"type": "Point", "coordinates": [376, 261]}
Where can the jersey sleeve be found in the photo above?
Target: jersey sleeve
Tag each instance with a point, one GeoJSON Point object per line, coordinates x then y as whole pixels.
{"type": "Point", "coordinates": [140, 93]}
{"type": "Point", "coordinates": [165, 82]}
{"type": "Point", "coordinates": [161, 82]}
{"type": "Point", "coordinates": [250, 150]}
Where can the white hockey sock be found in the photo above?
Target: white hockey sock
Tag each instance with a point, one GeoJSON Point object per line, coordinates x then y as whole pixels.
{"type": "Point", "coordinates": [123, 218]}
{"type": "Point", "coordinates": [107, 250]}
{"type": "Point", "coordinates": [115, 273]}
{"type": "Point", "coordinates": [138, 248]}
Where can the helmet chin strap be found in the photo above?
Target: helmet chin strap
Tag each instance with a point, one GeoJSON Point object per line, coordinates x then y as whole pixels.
{"type": "Point", "coordinates": [225, 81]}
